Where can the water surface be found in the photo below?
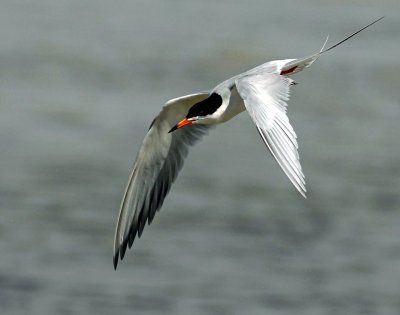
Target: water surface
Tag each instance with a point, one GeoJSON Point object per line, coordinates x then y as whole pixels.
{"type": "Point", "coordinates": [81, 81]}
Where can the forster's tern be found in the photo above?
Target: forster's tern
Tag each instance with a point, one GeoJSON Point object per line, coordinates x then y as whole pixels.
{"type": "Point", "coordinates": [262, 91]}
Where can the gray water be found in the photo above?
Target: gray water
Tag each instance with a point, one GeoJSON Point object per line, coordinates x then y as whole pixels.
{"type": "Point", "coordinates": [80, 82]}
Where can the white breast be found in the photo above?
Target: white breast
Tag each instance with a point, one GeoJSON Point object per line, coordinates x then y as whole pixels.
{"type": "Point", "coordinates": [232, 105]}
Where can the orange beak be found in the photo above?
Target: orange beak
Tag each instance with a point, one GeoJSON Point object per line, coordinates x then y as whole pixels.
{"type": "Point", "coordinates": [181, 124]}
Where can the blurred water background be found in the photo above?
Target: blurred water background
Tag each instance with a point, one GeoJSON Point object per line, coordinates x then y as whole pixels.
{"type": "Point", "coordinates": [80, 82]}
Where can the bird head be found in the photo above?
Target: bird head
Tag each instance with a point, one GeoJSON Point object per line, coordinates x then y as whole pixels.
{"type": "Point", "coordinates": [201, 112]}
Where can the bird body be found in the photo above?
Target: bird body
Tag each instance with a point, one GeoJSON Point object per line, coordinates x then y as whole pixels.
{"type": "Point", "coordinates": [263, 91]}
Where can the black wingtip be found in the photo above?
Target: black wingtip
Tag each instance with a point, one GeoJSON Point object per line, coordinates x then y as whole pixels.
{"type": "Point", "coordinates": [122, 249]}
{"type": "Point", "coordinates": [115, 260]}
{"type": "Point", "coordinates": [173, 128]}
{"type": "Point", "coordinates": [131, 239]}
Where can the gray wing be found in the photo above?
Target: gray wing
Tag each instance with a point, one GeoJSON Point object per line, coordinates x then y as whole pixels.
{"type": "Point", "coordinates": [156, 167]}
{"type": "Point", "coordinates": [265, 97]}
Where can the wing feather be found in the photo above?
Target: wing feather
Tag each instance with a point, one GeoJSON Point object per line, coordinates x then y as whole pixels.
{"type": "Point", "coordinates": [265, 97]}
{"type": "Point", "coordinates": [159, 160]}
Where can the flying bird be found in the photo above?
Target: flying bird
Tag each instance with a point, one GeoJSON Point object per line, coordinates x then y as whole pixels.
{"type": "Point", "coordinates": [262, 91]}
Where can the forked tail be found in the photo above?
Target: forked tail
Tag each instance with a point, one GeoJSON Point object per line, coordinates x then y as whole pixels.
{"type": "Point", "coordinates": [299, 64]}
{"type": "Point", "coordinates": [348, 37]}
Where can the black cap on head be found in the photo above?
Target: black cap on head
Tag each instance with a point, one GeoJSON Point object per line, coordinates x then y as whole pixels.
{"type": "Point", "coordinates": [205, 107]}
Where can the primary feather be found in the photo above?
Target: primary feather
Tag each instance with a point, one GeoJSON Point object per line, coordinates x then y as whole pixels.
{"type": "Point", "coordinates": [159, 160]}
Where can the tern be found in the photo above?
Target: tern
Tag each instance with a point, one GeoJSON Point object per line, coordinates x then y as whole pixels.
{"type": "Point", "coordinates": [262, 91]}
